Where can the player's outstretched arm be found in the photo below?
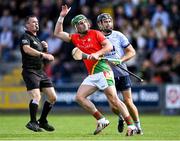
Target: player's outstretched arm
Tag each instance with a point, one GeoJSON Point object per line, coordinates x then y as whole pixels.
{"type": "Point", "coordinates": [58, 31]}
{"type": "Point", "coordinates": [129, 53]}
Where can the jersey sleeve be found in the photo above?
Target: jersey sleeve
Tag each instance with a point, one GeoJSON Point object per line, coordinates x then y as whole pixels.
{"type": "Point", "coordinates": [124, 41]}
{"type": "Point", "coordinates": [24, 41]}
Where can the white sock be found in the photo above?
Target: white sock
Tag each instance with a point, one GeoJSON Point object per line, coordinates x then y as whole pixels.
{"type": "Point", "coordinates": [137, 124]}
{"type": "Point", "coordinates": [35, 101]}
{"type": "Point", "coordinates": [102, 119]}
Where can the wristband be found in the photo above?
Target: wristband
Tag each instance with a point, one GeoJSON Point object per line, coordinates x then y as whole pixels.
{"type": "Point", "coordinates": [60, 19]}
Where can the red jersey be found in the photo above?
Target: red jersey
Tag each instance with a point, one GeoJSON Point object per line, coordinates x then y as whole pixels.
{"type": "Point", "coordinates": [91, 43]}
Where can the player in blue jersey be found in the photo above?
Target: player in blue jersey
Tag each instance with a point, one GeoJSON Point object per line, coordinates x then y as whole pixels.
{"type": "Point", "coordinates": [124, 51]}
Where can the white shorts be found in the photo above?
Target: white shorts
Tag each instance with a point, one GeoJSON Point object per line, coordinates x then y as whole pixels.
{"type": "Point", "coordinates": [101, 80]}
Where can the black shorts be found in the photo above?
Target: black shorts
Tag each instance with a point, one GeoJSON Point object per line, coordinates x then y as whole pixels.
{"type": "Point", "coordinates": [36, 79]}
{"type": "Point", "coordinates": [122, 83]}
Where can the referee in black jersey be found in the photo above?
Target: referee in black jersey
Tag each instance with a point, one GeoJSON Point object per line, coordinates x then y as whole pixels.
{"type": "Point", "coordinates": [34, 53]}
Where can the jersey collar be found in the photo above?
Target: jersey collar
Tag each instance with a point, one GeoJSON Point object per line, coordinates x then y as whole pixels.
{"type": "Point", "coordinates": [108, 33]}
{"type": "Point", "coordinates": [28, 32]}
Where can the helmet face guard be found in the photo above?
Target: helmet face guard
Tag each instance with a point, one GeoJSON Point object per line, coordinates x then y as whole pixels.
{"type": "Point", "coordinates": [103, 16]}
{"type": "Point", "coordinates": [100, 19]}
{"type": "Point", "coordinates": [77, 19]}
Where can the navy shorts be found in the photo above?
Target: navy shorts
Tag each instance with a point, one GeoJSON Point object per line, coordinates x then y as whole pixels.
{"type": "Point", "coordinates": [122, 83]}
{"type": "Point", "coordinates": [36, 79]}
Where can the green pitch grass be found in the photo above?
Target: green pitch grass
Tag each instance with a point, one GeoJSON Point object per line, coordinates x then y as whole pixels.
{"type": "Point", "coordinates": [81, 127]}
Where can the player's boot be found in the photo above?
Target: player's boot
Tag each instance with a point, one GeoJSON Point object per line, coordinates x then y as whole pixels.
{"type": "Point", "coordinates": [101, 124]}
{"type": "Point", "coordinates": [46, 126]}
{"type": "Point", "coordinates": [140, 132]}
{"type": "Point", "coordinates": [120, 125]}
{"type": "Point", "coordinates": [34, 126]}
{"type": "Point", "coordinates": [131, 130]}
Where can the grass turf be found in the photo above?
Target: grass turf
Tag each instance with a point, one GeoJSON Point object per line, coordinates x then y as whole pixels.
{"type": "Point", "coordinates": [81, 127]}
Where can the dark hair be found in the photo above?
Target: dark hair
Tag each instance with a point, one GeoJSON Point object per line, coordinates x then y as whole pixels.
{"type": "Point", "coordinates": [28, 17]}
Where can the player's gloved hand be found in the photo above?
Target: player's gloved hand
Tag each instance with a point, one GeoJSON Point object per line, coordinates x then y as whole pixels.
{"type": "Point", "coordinates": [114, 61]}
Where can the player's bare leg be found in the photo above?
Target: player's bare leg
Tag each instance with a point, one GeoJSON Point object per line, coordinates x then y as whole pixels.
{"type": "Point", "coordinates": [119, 107]}
{"type": "Point", "coordinates": [83, 92]}
{"type": "Point", "coordinates": [132, 109]}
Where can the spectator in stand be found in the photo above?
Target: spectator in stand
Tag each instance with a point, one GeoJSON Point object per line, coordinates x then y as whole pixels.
{"type": "Point", "coordinates": [95, 12]}
{"type": "Point", "coordinates": [145, 28]}
{"type": "Point", "coordinates": [171, 37]}
{"type": "Point", "coordinates": [129, 9]}
{"type": "Point", "coordinates": [47, 28]}
{"type": "Point", "coordinates": [120, 16]}
{"type": "Point", "coordinates": [13, 7]}
{"type": "Point", "coordinates": [54, 44]}
{"type": "Point", "coordinates": [159, 53]}
{"type": "Point", "coordinates": [6, 43]}
{"type": "Point", "coordinates": [6, 20]}
{"type": "Point", "coordinates": [175, 17]}
{"type": "Point", "coordinates": [175, 48]}
{"type": "Point", "coordinates": [164, 67]}
{"type": "Point", "coordinates": [160, 14]}
{"type": "Point", "coordinates": [151, 42]}
{"type": "Point", "coordinates": [160, 30]}
{"type": "Point", "coordinates": [176, 68]}
{"type": "Point", "coordinates": [151, 7]}
{"type": "Point", "coordinates": [85, 10]}
{"type": "Point", "coordinates": [147, 71]}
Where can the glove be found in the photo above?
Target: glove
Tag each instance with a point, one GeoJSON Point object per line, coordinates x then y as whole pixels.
{"type": "Point", "coordinates": [114, 61]}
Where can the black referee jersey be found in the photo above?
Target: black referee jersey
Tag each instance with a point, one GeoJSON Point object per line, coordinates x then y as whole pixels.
{"type": "Point", "coordinates": [31, 62]}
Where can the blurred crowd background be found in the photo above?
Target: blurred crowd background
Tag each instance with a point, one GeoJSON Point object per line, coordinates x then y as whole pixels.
{"type": "Point", "coordinates": [152, 27]}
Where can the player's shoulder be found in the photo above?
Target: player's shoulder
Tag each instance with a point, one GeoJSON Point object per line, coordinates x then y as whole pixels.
{"type": "Point", "coordinates": [25, 35]}
{"type": "Point", "coordinates": [25, 38]}
{"type": "Point", "coordinates": [116, 32]}
{"type": "Point", "coordinates": [74, 36]}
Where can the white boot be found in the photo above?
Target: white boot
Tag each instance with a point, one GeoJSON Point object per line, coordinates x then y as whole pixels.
{"type": "Point", "coordinates": [101, 124]}
{"type": "Point", "coordinates": [131, 130]}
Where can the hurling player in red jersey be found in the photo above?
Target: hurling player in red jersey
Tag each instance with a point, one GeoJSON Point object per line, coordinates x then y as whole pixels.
{"type": "Point", "coordinates": [100, 77]}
